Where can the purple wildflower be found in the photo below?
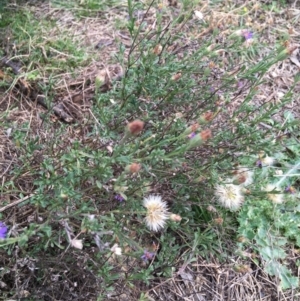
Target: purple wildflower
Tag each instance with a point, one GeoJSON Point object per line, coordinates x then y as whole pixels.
{"type": "Point", "coordinates": [240, 84]}
{"type": "Point", "coordinates": [215, 91]}
{"type": "Point", "coordinates": [3, 231]}
{"type": "Point", "coordinates": [247, 35]}
{"type": "Point", "coordinates": [192, 135]}
{"type": "Point", "coordinates": [290, 189]}
{"type": "Point", "coordinates": [147, 256]}
{"type": "Point", "coordinates": [259, 163]}
{"type": "Point", "coordinates": [119, 198]}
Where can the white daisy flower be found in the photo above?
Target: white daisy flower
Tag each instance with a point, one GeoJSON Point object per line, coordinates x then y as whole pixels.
{"type": "Point", "coordinates": [157, 212]}
{"type": "Point", "coordinates": [229, 196]}
{"type": "Point", "coordinates": [274, 196]}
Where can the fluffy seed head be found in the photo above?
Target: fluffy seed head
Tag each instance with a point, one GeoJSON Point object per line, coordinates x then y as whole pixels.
{"type": "Point", "coordinates": [157, 212]}
{"type": "Point", "coordinates": [274, 194]}
{"type": "Point", "coordinates": [267, 161]}
{"type": "Point", "coordinates": [135, 127]}
{"type": "Point", "coordinates": [229, 195]}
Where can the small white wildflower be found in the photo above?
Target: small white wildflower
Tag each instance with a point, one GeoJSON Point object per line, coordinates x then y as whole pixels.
{"type": "Point", "coordinates": [157, 212]}
{"type": "Point", "coordinates": [116, 249]}
{"type": "Point", "coordinates": [274, 196]}
{"type": "Point", "coordinates": [267, 161]}
{"type": "Point", "coordinates": [211, 208]}
{"type": "Point", "coordinates": [91, 217]}
{"type": "Point", "coordinates": [77, 243]}
{"type": "Point", "coordinates": [198, 14]}
{"type": "Point", "coordinates": [229, 196]}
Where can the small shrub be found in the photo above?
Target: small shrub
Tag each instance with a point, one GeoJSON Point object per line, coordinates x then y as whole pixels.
{"type": "Point", "coordinates": [182, 128]}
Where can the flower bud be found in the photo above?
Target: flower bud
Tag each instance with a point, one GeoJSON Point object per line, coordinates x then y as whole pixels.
{"type": "Point", "coordinates": [191, 129]}
{"type": "Point", "coordinates": [205, 135]}
{"type": "Point", "coordinates": [64, 196]}
{"type": "Point", "coordinates": [199, 138]}
{"type": "Point", "coordinates": [176, 76]}
{"type": "Point", "coordinates": [157, 49]}
{"type": "Point", "coordinates": [242, 269]}
{"type": "Point", "coordinates": [285, 53]}
{"type": "Point", "coordinates": [240, 179]}
{"type": "Point", "coordinates": [135, 127]}
{"type": "Point", "coordinates": [206, 117]}
{"type": "Point", "coordinates": [291, 189]}
{"type": "Point", "coordinates": [218, 221]}
{"type": "Point", "coordinates": [241, 239]}
{"type": "Point", "coordinates": [133, 168]}
{"type": "Point", "coordinates": [175, 217]}
{"type": "Point", "coordinates": [211, 208]}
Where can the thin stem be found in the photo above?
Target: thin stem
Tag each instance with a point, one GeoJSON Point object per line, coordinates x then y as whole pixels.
{"type": "Point", "coordinates": [291, 171]}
